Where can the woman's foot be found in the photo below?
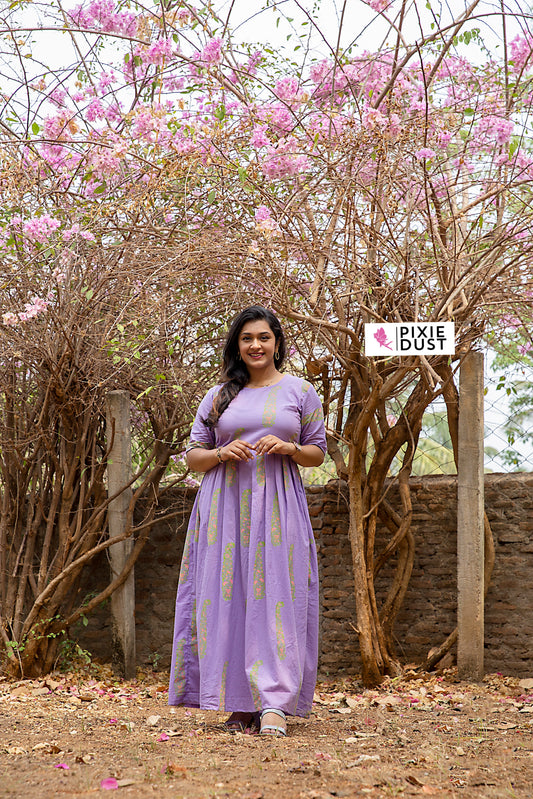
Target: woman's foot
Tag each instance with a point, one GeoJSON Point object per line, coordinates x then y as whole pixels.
{"type": "Point", "coordinates": [273, 722]}
{"type": "Point", "coordinates": [242, 722]}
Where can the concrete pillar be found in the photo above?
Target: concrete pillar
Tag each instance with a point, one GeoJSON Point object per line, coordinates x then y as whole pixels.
{"type": "Point", "coordinates": [470, 507]}
{"type": "Point", "coordinates": [118, 476]}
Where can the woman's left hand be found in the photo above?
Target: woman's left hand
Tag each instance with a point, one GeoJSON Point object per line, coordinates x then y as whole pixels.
{"type": "Point", "coordinates": [272, 445]}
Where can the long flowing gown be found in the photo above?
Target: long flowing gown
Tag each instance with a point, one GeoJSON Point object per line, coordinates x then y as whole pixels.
{"type": "Point", "coordinates": [246, 625]}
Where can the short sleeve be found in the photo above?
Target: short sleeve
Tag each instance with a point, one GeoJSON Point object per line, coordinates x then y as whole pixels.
{"type": "Point", "coordinates": [313, 430]}
{"type": "Point", "coordinates": [201, 435]}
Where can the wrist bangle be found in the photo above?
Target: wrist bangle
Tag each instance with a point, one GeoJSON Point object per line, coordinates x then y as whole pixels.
{"type": "Point", "coordinates": [219, 456]}
{"type": "Point", "coordinates": [297, 449]}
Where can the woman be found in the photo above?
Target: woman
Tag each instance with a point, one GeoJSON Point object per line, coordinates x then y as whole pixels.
{"type": "Point", "coordinates": [246, 629]}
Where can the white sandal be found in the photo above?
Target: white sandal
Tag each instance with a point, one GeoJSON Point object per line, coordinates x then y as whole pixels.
{"type": "Point", "coordinates": [272, 729]}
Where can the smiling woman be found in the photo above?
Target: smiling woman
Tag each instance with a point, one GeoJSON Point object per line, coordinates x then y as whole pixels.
{"type": "Point", "coordinates": [246, 631]}
{"type": "Point", "coordinates": [258, 350]}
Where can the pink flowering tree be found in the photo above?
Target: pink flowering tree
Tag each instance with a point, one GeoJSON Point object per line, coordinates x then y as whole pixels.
{"type": "Point", "coordinates": [163, 170]}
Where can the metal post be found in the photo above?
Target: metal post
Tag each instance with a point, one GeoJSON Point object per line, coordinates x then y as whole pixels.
{"type": "Point", "coordinates": [118, 476]}
{"type": "Point", "coordinates": [470, 509]}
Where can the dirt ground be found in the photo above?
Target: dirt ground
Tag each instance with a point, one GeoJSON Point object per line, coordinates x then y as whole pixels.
{"type": "Point", "coordinates": [84, 733]}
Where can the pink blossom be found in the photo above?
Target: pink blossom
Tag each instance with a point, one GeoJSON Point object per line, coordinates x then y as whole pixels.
{"type": "Point", "coordinates": [523, 349]}
{"type": "Point", "coordinates": [58, 97]}
{"type": "Point", "coordinates": [282, 118]}
{"type": "Point", "coordinates": [57, 127]}
{"type": "Point", "coordinates": [373, 118]}
{"type": "Point", "coordinates": [319, 72]}
{"type": "Point", "coordinates": [492, 127]}
{"type": "Point", "coordinates": [101, 15]}
{"type": "Point", "coordinates": [284, 160]}
{"type": "Point", "coordinates": [212, 52]}
{"type": "Point", "coordinates": [183, 15]}
{"type": "Point", "coordinates": [259, 137]}
{"type": "Point", "coordinates": [76, 230]}
{"type": "Point", "coordinates": [95, 111]}
{"type": "Point", "coordinates": [521, 50]}
{"type": "Point", "coordinates": [443, 138]}
{"type": "Point", "coordinates": [159, 52]}
{"type": "Point", "coordinates": [40, 228]}
{"type": "Point", "coordinates": [33, 309]}
{"type": "Point", "coordinates": [106, 79]}
{"type": "Point", "coordinates": [262, 214]}
{"type": "Point", "coordinates": [251, 67]}
{"type": "Point", "coordinates": [379, 5]}
{"type": "Point", "coordinates": [287, 89]}
{"type": "Point", "coordinates": [10, 319]}
{"type": "Point", "coordinates": [425, 152]}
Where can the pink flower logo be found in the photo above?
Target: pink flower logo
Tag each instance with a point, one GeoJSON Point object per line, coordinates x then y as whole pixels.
{"type": "Point", "coordinates": [381, 338]}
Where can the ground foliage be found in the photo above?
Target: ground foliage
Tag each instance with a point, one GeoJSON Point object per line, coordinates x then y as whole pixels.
{"type": "Point", "coordinates": [81, 733]}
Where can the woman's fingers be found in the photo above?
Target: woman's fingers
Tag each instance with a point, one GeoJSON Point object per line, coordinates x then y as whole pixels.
{"type": "Point", "coordinates": [269, 445]}
{"type": "Point", "coordinates": [238, 450]}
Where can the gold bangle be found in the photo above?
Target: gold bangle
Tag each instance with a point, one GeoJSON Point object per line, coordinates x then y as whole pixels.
{"type": "Point", "coordinates": [297, 449]}
{"type": "Point", "coordinates": [219, 456]}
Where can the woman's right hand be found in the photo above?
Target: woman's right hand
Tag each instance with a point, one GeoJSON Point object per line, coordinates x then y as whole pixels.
{"type": "Point", "coordinates": [237, 450]}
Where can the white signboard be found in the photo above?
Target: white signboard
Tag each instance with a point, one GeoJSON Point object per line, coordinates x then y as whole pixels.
{"type": "Point", "coordinates": [409, 338]}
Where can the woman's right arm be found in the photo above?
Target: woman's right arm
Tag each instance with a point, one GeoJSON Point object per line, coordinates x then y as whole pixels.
{"type": "Point", "coordinates": [201, 460]}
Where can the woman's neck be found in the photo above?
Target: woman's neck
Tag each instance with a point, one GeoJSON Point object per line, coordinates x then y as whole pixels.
{"type": "Point", "coordinates": [262, 380]}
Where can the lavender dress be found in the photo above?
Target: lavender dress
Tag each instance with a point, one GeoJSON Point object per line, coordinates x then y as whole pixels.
{"type": "Point", "coordinates": [246, 628]}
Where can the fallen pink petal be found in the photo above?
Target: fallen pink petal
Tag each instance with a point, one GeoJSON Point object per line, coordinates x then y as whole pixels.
{"type": "Point", "coordinates": [109, 784]}
{"type": "Point", "coordinates": [63, 766]}
{"type": "Point", "coordinates": [163, 737]}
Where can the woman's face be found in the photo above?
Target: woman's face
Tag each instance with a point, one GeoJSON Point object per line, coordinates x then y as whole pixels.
{"type": "Point", "coordinates": [257, 345]}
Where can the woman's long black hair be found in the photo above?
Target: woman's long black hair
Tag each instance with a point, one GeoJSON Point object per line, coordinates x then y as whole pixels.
{"type": "Point", "coordinates": [234, 374]}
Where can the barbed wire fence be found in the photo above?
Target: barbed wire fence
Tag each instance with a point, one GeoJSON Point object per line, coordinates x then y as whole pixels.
{"type": "Point", "coordinates": [508, 411]}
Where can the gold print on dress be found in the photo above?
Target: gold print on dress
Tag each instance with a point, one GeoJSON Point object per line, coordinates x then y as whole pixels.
{"type": "Point", "coordinates": [194, 632]}
{"type": "Point", "coordinates": [275, 524]}
{"type": "Point", "coordinates": [269, 412]}
{"type": "Point", "coordinates": [202, 637]}
{"type": "Point", "coordinates": [212, 527]}
{"type": "Point", "coordinates": [260, 470]}
{"type": "Point", "coordinates": [253, 683]}
{"type": "Point", "coordinates": [227, 572]}
{"type": "Point", "coordinates": [314, 416]}
{"type": "Point", "coordinates": [179, 668]}
{"type": "Point", "coordinates": [280, 637]}
{"type": "Point", "coordinates": [222, 695]}
{"type": "Point", "coordinates": [246, 516]}
{"type": "Point", "coordinates": [231, 473]}
{"type": "Point", "coordinates": [186, 559]}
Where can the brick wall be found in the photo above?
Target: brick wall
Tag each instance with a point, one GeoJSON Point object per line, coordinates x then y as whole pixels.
{"type": "Point", "coordinates": [429, 609]}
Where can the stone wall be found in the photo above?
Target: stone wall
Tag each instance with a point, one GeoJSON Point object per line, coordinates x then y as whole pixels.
{"type": "Point", "coordinates": [428, 615]}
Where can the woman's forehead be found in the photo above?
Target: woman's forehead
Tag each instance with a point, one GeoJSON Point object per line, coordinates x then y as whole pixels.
{"type": "Point", "coordinates": [256, 326]}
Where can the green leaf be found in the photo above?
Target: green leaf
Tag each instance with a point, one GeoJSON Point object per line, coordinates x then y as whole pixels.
{"type": "Point", "coordinates": [220, 113]}
{"type": "Point", "coordinates": [211, 197]}
{"type": "Point", "coordinates": [35, 128]}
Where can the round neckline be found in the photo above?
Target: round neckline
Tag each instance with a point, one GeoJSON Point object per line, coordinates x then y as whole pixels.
{"type": "Point", "coordinates": [272, 385]}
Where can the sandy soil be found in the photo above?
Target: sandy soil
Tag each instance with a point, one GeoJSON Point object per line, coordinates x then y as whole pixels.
{"type": "Point", "coordinates": [86, 733]}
